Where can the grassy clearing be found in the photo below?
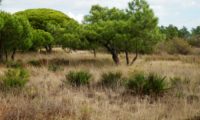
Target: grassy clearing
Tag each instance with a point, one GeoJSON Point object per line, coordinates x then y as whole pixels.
{"type": "Point", "coordinates": [45, 97]}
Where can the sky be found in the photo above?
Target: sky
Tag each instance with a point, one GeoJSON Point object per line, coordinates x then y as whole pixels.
{"type": "Point", "coordinates": [177, 12]}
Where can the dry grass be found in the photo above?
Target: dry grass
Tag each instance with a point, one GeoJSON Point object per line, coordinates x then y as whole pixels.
{"type": "Point", "coordinates": [46, 97]}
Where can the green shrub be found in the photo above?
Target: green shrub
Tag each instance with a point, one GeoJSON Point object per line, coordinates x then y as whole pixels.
{"type": "Point", "coordinates": [111, 79]}
{"type": "Point", "coordinates": [55, 68]}
{"type": "Point", "coordinates": [150, 84]}
{"type": "Point", "coordinates": [173, 46]}
{"type": "Point", "coordinates": [155, 84]}
{"type": "Point", "coordinates": [195, 41]}
{"type": "Point", "coordinates": [14, 64]}
{"type": "Point", "coordinates": [35, 63]}
{"type": "Point", "coordinates": [78, 78]}
{"type": "Point", "coordinates": [136, 83]}
{"type": "Point", "coordinates": [15, 78]}
{"type": "Point", "coordinates": [38, 63]}
{"type": "Point", "coordinates": [178, 46]}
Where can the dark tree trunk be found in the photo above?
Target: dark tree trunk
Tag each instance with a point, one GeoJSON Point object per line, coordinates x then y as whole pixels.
{"type": "Point", "coordinates": [1, 49]}
{"type": "Point", "coordinates": [95, 53]}
{"type": "Point", "coordinates": [134, 59]}
{"type": "Point", "coordinates": [48, 48]}
{"type": "Point", "coordinates": [136, 52]}
{"type": "Point", "coordinates": [115, 57]}
{"type": "Point", "coordinates": [127, 58]}
{"type": "Point", "coordinates": [45, 48]}
{"type": "Point", "coordinates": [13, 54]}
{"type": "Point", "coordinates": [1, 54]}
{"type": "Point", "coordinates": [114, 53]}
{"type": "Point", "coordinates": [6, 55]}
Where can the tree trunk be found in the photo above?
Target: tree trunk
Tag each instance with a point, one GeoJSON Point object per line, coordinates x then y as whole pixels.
{"type": "Point", "coordinates": [1, 54]}
{"type": "Point", "coordinates": [115, 57]}
{"type": "Point", "coordinates": [45, 48]}
{"type": "Point", "coordinates": [1, 49]}
{"type": "Point", "coordinates": [48, 48]}
{"type": "Point", "coordinates": [6, 52]}
{"type": "Point", "coordinates": [134, 59]}
{"type": "Point", "coordinates": [13, 54]}
{"type": "Point", "coordinates": [136, 56]}
{"type": "Point", "coordinates": [114, 53]}
{"type": "Point", "coordinates": [95, 53]}
{"type": "Point", "coordinates": [127, 58]}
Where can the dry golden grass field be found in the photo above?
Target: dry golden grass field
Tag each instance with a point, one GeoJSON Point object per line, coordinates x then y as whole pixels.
{"type": "Point", "coordinates": [45, 97]}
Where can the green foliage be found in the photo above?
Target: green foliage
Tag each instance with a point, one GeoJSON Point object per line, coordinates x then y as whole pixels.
{"type": "Point", "coordinates": [184, 33]}
{"type": "Point", "coordinates": [41, 39]}
{"type": "Point", "coordinates": [40, 18]}
{"type": "Point", "coordinates": [111, 79]}
{"type": "Point", "coordinates": [195, 41]}
{"type": "Point", "coordinates": [136, 83]}
{"type": "Point", "coordinates": [141, 84]}
{"type": "Point", "coordinates": [78, 78]}
{"type": "Point", "coordinates": [196, 31]}
{"type": "Point", "coordinates": [14, 64]}
{"type": "Point", "coordinates": [122, 37]}
{"type": "Point", "coordinates": [15, 78]}
{"type": "Point", "coordinates": [15, 33]}
{"type": "Point", "coordinates": [72, 41]}
{"type": "Point", "coordinates": [195, 38]}
{"type": "Point", "coordinates": [53, 24]}
{"type": "Point", "coordinates": [155, 84]}
{"type": "Point", "coordinates": [170, 31]}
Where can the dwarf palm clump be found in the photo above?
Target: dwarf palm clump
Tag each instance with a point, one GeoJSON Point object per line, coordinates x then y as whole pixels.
{"type": "Point", "coordinates": [111, 79]}
{"type": "Point", "coordinates": [151, 84]}
{"type": "Point", "coordinates": [78, 78]}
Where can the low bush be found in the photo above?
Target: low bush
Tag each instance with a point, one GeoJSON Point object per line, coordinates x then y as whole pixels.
{"type": "Point", "coordinates": [151, 84]}
{"type": "Point", "coordinates": [174, 46]}
{"type": "Point", "coordinates": [195, 41]}
{"type": "Point", "coordinates": [78, 78]}
{"type": "Point", "coordinates": [14, 64]}
{"type": "Point", "coordinates": [57, 61]}
{"type": "Point", "coordinates": [136, 83]}
{"type": "Point", "coordinates": [111, 79]}
{"type": "Point", "coordinates": [155, 84]}
{"type": "Point", "coordinates": [35, 63]}
{"type": "Point", "coordinates": [179, 46]}
{"type": "Point", "coordinates": [14, 78]}
{"type": "Point", "coordinates": [55, 68]}
{"type": "Point", "coordinates": [38, 63]}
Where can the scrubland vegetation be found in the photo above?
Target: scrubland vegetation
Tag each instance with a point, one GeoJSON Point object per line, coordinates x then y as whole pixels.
{"type": "Point", "coordinates": [164, 87]}
{"type": "Point", "coordinates": [116, 65]}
